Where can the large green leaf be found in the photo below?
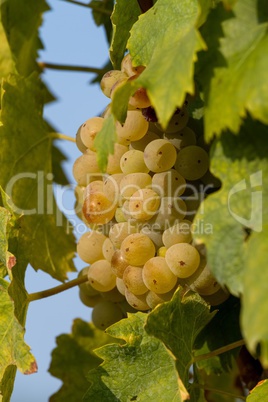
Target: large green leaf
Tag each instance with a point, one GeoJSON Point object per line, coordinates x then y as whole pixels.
{"type": "Point", "coordinates": [254, 312]}
{"type": "Point", "coordinates": [139, 370]}
{"type": "Point", "coordinates": [6, 61]}
{"type": "Point", "coordinates": [240, 86]}
{"type": "Point", "coordinates": [122, 19]}
{"type": "Point", "coordinates": [75, 351]}
{"type": "Point", "coordinates": [259, 393]}
{"type": "Point", "coordinates": [13, 350]}
{"type": "Point", "coordinates": [241, 163]}
{"type": "Point", "coordinates": [165, 40]}
{"type": "Point", "coordinates": [27, 179]}
{"type": "Point", "coordinates": [21, 21]}
{"type": "Point", "coordinates": [177, 324]}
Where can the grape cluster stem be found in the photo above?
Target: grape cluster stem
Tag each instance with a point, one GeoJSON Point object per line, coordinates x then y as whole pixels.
{"type": "Point", "coordinates": [57, 289]}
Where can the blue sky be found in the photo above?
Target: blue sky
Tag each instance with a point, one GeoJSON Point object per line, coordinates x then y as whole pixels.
{"type": "Point", "coordinates": [70, 37]}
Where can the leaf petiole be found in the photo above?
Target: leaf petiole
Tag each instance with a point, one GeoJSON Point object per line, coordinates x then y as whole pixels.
{"type": "Point", "coordinates": [60, 136]}
{"type": "Point", "coordinates": [218, 351]}
{"type": "Point", "coordinates": [57, 289]}
{"type": "Point", "coordinates": [88, 5]}
{"type": "Point", "coordinates": [68, 67]}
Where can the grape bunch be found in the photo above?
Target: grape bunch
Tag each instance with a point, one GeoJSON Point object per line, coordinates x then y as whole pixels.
{"type": "Point", "coordinates": [139, 247]}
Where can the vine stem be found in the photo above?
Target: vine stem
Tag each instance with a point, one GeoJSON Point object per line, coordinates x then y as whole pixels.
{"type": "Point", "coordinates": [68, 67]}
{"type": "Point", "coordinates": [218, 351]}
{"type": "Point", "coordinates": [219, 391]}
{"type": "Point", "coordinates": [60, 136]}
{"type": "Point", "coordinates": [57, 289]}
{"type": "Point", "coordinates": [92, 6]}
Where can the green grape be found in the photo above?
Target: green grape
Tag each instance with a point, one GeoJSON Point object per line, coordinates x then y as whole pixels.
{"type": "Point", "coordinates": [86, 169]}
{"type": "Point", "coordinates": [111, 186]}
{"type": "Point", "coordinates": [168, 184]}
{"type": "Point", "coordinates": [113, 165]}
{"type": "Point", "coordinates": [108, 249]}
{"type": "Point", "coordinates": [89, 246]}
{"type": "Point", "coordinates": [133, 280]}
{"type": "Point", "coordinates": [171, 211]}
{"type": "Point", "coordinates": [179, 233]}
{"type": "Point", "coordinates": [109, 79]}
{"type": "Point", "coordinates": [89, 301]}
{"type": "Point", "coordinates": [181, 139]}
{"type": "Point", "coordinates": [143, 204]}
{"type": "Point", "coordinates": [120, 286]}
{"type": "Point", "coordinates": [106, 313]}
{"type": "Point", "coordinates": [120, 231]}
{"type": "Point", "coordinates": [153, 299]}
{"type": "Point", "coordinates": [98, 209]}
{"type": "Point", "coordinates": [118, 264]}
{"type": "Point", "coordinates": [144, 141]}
{"type": "Point", "coordinates": [89, 130]}
{"type": "Point", "coordinates": [157, 276]}
{"type": "Point", "coordinates": [161, 252]}
{"type": "Point", "coordinates": [119, 215]}
{"type": "Point", "coordinates": [137, 248]}
{"type": "Point", "coordinates": [155, 235]}
{"type": "Point", "coordinates": [138, 302]}
{"type": "Point", "coordinates": [192, 203]}
{"type": "Point", "coordinates": [159, 155]}
{"type": "Point", "coordinates": [133, 182]}
{"type": "Point", "coordinates": [134, 128]}
{"type": "Point", "coordinates": [192, 162]}
{"type": "Point", "coordinates": [183, 259]}
{"type": "Point", "coordinates": [101, 276]}
{"type": "Point", "coordinates": [132, 162]}
{"type": "Point", "coordinates": [128, 68]}
{"type": "Point", "coordinates": [178, 121]}
{"type": "Point", "coordinates": [113, 295]}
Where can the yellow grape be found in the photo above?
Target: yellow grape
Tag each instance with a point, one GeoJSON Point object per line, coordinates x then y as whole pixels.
{"type": "Point", "coordinates": [144, 204]}
{"type": "Point", "coordinates": [134, 128]}
{"type": "Point", "coordinates": [154, 234]}
{"type": "Point", "coordinates": [119, 231]}
{"type": "Point", "coordinates": [89, 130]}
{"type": "Point", "coordinates": [179, 233]}
{"type": "Point", "coordinates": [153, 299]}
{"type": "Point", "coordinates": [137, 248]}
{"type": "Point", "coordinates": [183, 259]}
{"type": "Point", "coordinates": [97, 208]}
{"type": "Point", "coordinates": [108, 249]}
{"type": "Point", "coordinates": [86, 169]}
{"type": "Point", "coordinates": [157, 276]}
{"type": "Point", "coordinates": [120, 286]}
{"type": "Point", "coordinates": [113, 165]}
{"type": "Point", "coordinates": [111, 186]}
{"type": "Point", "coordinates": [171, 211]}
{"type": "Point", "coordinates": [138, 302]}
{"type": "Point", "coordinates": [133, 280]}
{"type": "Point", "coordinates": [109, 79]}
{"type": "Point", "coordinates": [133, 182]}
{"type": "Point", "coordinates": [128, 68]}
{"type": "Point", "coordinates": [118, 264]}
{"type": "Point", "coordinates": [169, 183]}
{"type": "Point", "coordinates": [89, 246]}
{"type": "Point", "coordinates": [159, 155]}
{"type": "Point", "coordinates": [101, 276]}
{"type": "Point", "coordinates": [133, 162]}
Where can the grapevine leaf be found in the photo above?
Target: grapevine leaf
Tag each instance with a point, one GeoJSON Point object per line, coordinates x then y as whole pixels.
{"type": "Point", "coordinates": [177, 324]}
{"type": "Point", "coordinates": [75, 351]}
{"type": "Point", "coordinates": [122, 19]}
{"type": "Point", "coordinates": [240, 162]}
{"type": "Point", "coordinates": [9, 224]}
{"type": "Point", "coordinates": [152, 373]}
{"type": "Point", "coordinates": [27, 179]}
{"type": "Point", "coordinates": [244, 48]}
{"type": "Point", "coordinates": [21, 22]}
{"type": "Point", "coordinates": [6, 61]}
{"type": "Point", "coordinates": [104, 142]}
{"type": "Point", "coordinates": [120, 99]}
{"type": "Point", "coordinates": [259, 393]}
{"type": "Point", "coordinates": [254, 321]}
{"type": "Point", "coordinates": [100, 12]}
{"type": "Point", "coordinates": [166, 41]}
{"type": "Point", "coordinates": [13, 349]}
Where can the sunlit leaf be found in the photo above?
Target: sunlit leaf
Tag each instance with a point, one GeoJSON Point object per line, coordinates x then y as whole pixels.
{"type": "Point", "coordinates": [141, 369]}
